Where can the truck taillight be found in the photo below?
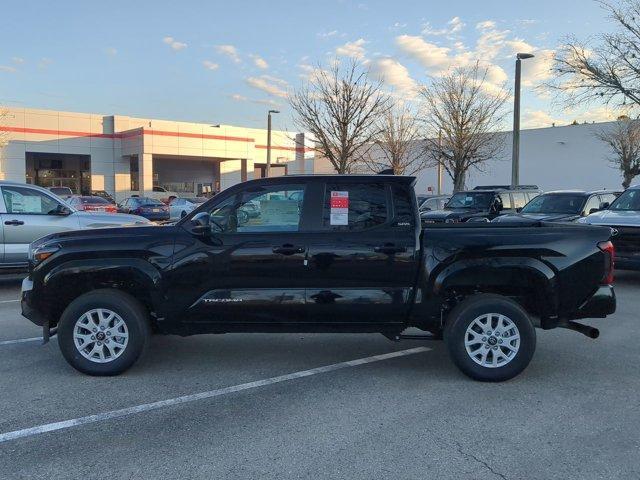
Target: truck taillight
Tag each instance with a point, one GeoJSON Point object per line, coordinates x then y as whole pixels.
{"type": "Point", "coordinates": [609, 260]}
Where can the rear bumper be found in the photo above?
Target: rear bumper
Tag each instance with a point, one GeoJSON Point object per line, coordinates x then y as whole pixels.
{"type": "Point", "coordinates": [27, 305]}
{"type": "Point", "coordinates": [599, 305]}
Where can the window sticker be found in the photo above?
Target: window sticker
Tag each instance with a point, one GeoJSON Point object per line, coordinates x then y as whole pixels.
{"type": "Point", "coordinates": [339, 208]}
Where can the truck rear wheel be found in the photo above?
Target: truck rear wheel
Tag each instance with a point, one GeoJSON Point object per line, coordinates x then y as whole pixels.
{"type": "Point", "coordinates": [490, 337]}
{"type": "Point", "coordinates": [103, 332]}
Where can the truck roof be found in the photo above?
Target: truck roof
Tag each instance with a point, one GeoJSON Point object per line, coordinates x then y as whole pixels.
{"type": "Point", "coordinates": [404, 179]}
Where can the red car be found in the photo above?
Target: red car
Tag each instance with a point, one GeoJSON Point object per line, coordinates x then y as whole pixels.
{"type": "Point", "coordinates": [92, 204]}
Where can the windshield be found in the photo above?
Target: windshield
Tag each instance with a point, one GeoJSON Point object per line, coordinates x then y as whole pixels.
{"type": "Point", "coordinates": [629, 200]}
{"type": "Point", "coordinates": [551, 203]}
{"type": "Point", "coordinates": [86, 200]}
{"type": "Point", "coordinates": [149, 201]}
{"type": "Point", "coordinates": [479, 200]}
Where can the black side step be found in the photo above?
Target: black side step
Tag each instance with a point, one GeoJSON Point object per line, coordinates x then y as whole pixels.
{"type": "Point", "coordinates": [396, 337]}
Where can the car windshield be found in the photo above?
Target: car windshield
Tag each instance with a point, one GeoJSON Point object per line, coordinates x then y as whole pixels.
{"type": "Point", "coordinates": [86, 200]}
{"type": "Point", "coordinates": [555, 203]}
{"type": "Point", "coordinates": [629, 201]}
{"type": "Point", "coordinates": [148, 201]}
{"type": "Point", "coordinates": [480, 200]}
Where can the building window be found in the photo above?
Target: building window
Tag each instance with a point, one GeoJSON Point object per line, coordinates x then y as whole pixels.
{"type": "Point", "coordinates": [134, 173]}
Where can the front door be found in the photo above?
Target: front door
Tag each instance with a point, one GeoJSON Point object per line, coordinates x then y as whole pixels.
{"type": "Point", "coordinates": [249, 267]}
{"type": "Point", "coordinates": [363, 260]}
{"type": "Point", "coordinates": [29, 214]}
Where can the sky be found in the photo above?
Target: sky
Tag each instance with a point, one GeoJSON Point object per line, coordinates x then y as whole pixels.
{"type": "Point", "coordinates": [229, 62]}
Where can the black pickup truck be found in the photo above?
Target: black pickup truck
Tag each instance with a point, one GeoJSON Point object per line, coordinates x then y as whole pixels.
{"type": "Point", "coordinates": [322, 254]}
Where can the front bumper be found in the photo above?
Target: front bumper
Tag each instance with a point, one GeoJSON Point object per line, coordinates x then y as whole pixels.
{"type": "Point", "coordinates": [27, 305]}
{"type": "Point", "coordinates": [599, 305]}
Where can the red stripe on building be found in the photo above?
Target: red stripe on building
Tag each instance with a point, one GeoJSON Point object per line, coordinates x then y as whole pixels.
{"type": "Point", "coordinates": [45, 131]}
{"type": "Point", "coordinates": [291, 149]}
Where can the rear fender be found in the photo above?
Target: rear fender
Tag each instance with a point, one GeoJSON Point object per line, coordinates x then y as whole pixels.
{"type": "Point", "coordinates": [522, 274]}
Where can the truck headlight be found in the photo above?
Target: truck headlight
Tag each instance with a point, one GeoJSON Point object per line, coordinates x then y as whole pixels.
{"type": "Point", "coordinates": [41, 253]}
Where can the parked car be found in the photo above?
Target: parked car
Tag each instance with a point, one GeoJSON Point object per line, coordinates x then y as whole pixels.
{"type": "Point", "coordinates": [149, 208]}
{"type": "Point", "coordinates": [29, 212]}
{"type": "Point", "coordinates": [481, 204]}
{"type": "Point", "coordinates": [353, 259]}
{"type": "Point", "coordinates": [162, 194]}
{"type": "Point", "coordinates": [62, 192]}
{"type": "Point", "coordinates": [427, 203]}
{"type": "Point", "coordinates": [92, 204]}
{"type": "Point", "coordinates": [624, 216]}
{"type": "Point", "coordinates": [103, 194]}
{"type": "Point", "coordinates": [181, 206]}
{"type": "Point", "coordinates": [562, 206]}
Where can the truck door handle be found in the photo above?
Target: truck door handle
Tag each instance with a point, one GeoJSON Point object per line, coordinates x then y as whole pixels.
{"type": "Point", "coordinates": [389, 249]}
{"type": "Point", "coordinates": [288, 249]}
{"type": "Point", "coordinates": [14, 222]}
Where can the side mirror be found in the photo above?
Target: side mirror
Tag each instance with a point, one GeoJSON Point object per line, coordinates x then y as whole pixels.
{"type": "Point", "coordinates": [604, 205]}
{"type": "Point", "coordinates": [201, 224]}
{"type": "Point", "coordinates": [61, 211]}
{"type": "Point", "coordinates": [497, 207]}
{"type": "Point", "coordinates": [518, 210]}
{"type": "Point", "coordinates": [594, 210]}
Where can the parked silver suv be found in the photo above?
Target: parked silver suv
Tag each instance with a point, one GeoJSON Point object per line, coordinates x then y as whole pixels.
{"type": "Point", "coordinates": [29, 212]}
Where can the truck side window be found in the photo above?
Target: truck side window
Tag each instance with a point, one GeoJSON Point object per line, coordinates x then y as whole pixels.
{"type": "Point", "coordinates": [360, 206]}
{"type": "Point", "coordinates": [404, 212]}
{"type": "Point", "coordinates": [506, 201]}
{"type": "Point", "coordinates": [23, 200]}
{"type": "Point", "coordinates": [275, 208]}
{"type": "Point", "coordinates": [518, 200]}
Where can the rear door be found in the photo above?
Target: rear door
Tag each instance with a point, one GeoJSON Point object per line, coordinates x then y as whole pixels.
{"type": "Point", "coordinates": [363, 255]}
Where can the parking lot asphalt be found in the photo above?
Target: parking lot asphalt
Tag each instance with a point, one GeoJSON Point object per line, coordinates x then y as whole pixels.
{"type": "Point", "coordinates": [574, 413]}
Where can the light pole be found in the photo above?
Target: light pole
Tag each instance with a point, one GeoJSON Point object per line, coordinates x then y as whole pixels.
{"type": "Point", "coordinates": [515, 158]}
{"type": "Point", "coordinates": [269, 141]}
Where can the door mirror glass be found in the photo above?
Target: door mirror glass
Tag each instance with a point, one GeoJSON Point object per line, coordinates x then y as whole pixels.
{"type": "Point", "coordinates": [200, 223]}
{"type": "Point", "coordinates": [604, 205]}
{"type": "Point", "coordinates": [60, 210]}
{"type": "Point", "coordinates": [593, 210]}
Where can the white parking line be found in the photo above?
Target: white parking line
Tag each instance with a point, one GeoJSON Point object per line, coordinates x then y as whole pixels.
{"type": "Point", "coordinates": [9, 301]}
{"type": "Point", "coordinates": [100, 417]}
{"type": "Point", "coordinates": [19, 340]}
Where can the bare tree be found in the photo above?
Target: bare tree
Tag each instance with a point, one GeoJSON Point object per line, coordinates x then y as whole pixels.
{"type": "Point", "coordinates": [397, 145]}
{"type": "Point", "coordinates": [462, 117]}
{"type": "Point", "coordinates": [340, 107]}
{"type": "Point", "coordinates": [608, 72]}
{"type": "Point", "coordinates": [624, 140]}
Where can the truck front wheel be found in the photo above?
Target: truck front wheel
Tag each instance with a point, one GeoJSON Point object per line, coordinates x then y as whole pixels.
{"type": "Point", "coordinates": [490, 337]}
{"type": "Point", "coordinates": [103, 332]}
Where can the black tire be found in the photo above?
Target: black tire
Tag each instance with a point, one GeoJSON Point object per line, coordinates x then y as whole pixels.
{"type": "Point", "coordinates": [465, 313]}
{"type": "Point", "coordinates": [127, 308]}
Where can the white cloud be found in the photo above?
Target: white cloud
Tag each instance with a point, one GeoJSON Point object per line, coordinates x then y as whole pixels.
{"type": "Point", "coordinates": [352, 49]}
{"type": "Point", "coordinates": [209, 65]}
{"type": "Point", "coordinates": [110, 51]}
{"type": "Point", "coordinates": [18, 60]}
{"type": "Point", "coordinates": [486, 25]}
{"type": "Point", "coordinates": [430, 55]}
{"type": "Point", "coordinates": [259, 62]}
{"type": "Point", "coordinates": [538, 69]}
{"type": "Point", "coordinates": [8, 69]}
{"type": "Point", "coordinates": [268, 84]}
{"type": "Point", "coordinates": [230, 51]}
{"type": "Point", "coordinates": [538, 119]}
{"type": "Point", "coordinates": [332, 33]}
{"type": "Point", "coordinates": [454, 26]}
{"type": "Point", "coordinates": [518, 46]}
{"type": "Point", "coordinates": [261, 101]}
{"type": "Point", "coordinates": [393, 73]}
{"type": "Point", "coordinates": [399, 25]}
{"type": "Point", "coordinates": [174, 44]}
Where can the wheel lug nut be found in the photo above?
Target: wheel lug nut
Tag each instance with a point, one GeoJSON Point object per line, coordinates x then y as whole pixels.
{"type": "Point", "coordinates": [484, 339]}
{"type": "Point", "coordinates": [93, 337]}
{"type": "Point", "coordinates": [489, 332]}
{"type": "Point", "coordinates": [500, 341]}
{"type": "Point", "coordinates": [99, 343]}
{"type": "Point", "coordinates": [495, 348]}
{"type": "Point", "coordinates": [101, 328]}
{"type": "Point", "coordinates": [95, 329]}
{"type": "Point", "coordinates": [505, 335]}
{"type": "Point", "coordinates": [108, 333]}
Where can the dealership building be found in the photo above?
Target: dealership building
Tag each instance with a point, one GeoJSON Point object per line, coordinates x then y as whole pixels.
{"type": "Point", "coordinates": [128, 155]}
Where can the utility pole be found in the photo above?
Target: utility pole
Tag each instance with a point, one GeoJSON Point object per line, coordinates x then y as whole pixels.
{"type": "Point", "coordinates": [268, 173]}
{"type": "Point", "coordinates": [515, 156]}
{"type": "Point", "coordinates": [440, 162]}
